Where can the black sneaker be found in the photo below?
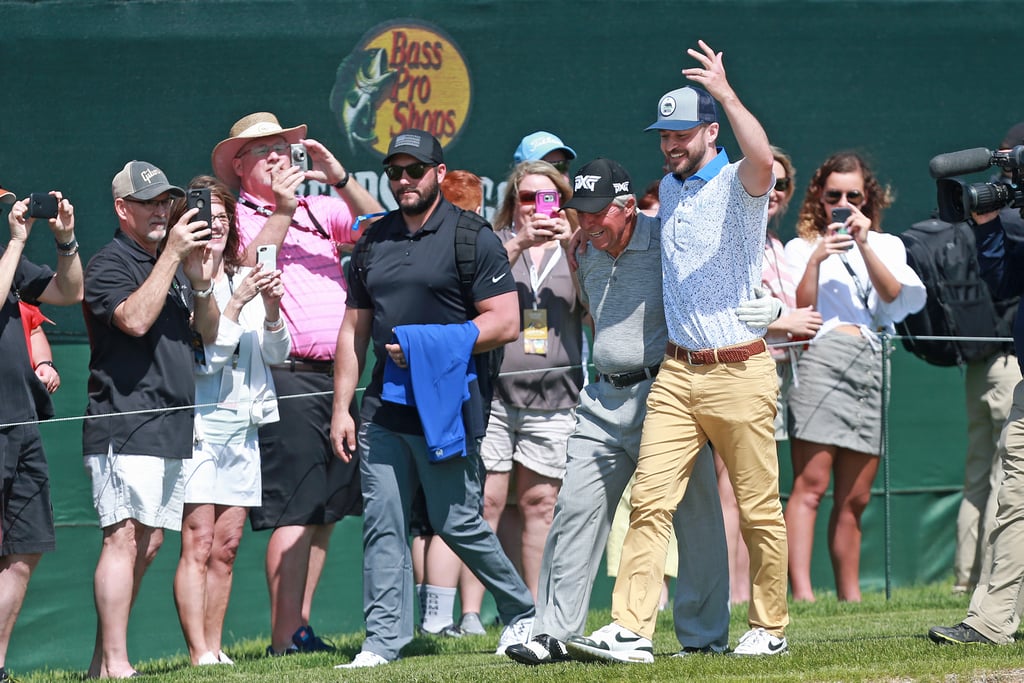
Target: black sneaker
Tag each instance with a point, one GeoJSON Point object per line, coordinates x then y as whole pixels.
{"type": "Point", "coordinates": [542, 649]}
{"type": "Point", "coordinates": [290, 650]}
{"type": "Point", "coordinates": [690, 650]}
{"type": "Point", "coordinates": [961, 634]}
{"type": "Point", "coordinates": [307, 641]}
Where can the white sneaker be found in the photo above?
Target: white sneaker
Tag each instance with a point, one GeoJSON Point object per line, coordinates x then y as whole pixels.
{"type": "Point", "coordinates": [363, 660]}
{"type": "Point", "coordinates": [612, 643]}
{"type": "Point", "coordinates": [224, 659]}
{"type": "Point", "coordinates": [516, 632]}
{"type": "Point", "coordinates": [757, 641]}
{"type": "Point", "coordinates": [207, 659]}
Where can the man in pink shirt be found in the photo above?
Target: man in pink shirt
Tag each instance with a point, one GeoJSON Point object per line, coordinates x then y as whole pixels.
{"type": "Point", "coordinates": [305, 488]}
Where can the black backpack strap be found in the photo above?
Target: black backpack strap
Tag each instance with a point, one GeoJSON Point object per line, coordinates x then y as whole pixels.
{"type": "Point", "coordinates": [467, 229]}
{"type": "Point", "coordinates": [361, 254]}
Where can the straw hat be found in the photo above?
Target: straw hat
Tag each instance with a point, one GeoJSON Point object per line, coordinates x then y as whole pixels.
{"type": "Point", "coordinates": [259, 125]}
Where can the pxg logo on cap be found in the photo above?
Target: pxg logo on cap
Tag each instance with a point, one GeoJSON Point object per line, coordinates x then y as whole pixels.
{"type": "Point", "coordinates": [596, 184]}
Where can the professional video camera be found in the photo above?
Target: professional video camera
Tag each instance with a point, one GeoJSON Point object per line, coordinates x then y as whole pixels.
{"type": "Point", "coordinates": [958, 199]}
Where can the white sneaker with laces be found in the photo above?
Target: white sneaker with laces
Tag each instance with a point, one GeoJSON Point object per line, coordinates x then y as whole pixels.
{"type": "Point", "coordinates": [612, 643]}
{"type": "Point", "coordinates": [363, 660]}
{"type": "Point", "coordinates": [757, 641]}
{"type": "Point", "coordinates": [516, 632]}
{"type": "Point", "coordinates": [224, 659]}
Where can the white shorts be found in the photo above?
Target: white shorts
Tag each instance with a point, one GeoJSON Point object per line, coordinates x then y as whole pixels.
{"type": "Point", "coordinates": [536, 439]}
{"type": "Point", "coordinates": [224, 474]}
{"type": "Point", "coordinates": [146, 488]}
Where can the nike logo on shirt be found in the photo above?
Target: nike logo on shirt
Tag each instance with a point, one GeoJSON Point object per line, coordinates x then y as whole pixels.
{"type": "Point", "coordinates": [496, 278]}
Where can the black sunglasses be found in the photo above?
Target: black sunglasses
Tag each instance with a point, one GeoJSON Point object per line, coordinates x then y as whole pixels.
{"type": "Point", "coordinates": [782, 184]}
{"type": "Point", "coordinates": [561, 166]}
{"type": "Point", "coordinates": [854, 197]}
{"type": "Point", "coordinates": [415, 171]}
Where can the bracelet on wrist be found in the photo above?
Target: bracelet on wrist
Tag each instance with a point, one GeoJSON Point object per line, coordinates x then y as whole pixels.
{"type": "Point", "coordinates": [344, 180]}
{"type": "Point", "coordinates": [205, 294]}
{"type": "Point", "coordinates": [273, 326]}
{"type": "Point", "coordinates": [45, 362]}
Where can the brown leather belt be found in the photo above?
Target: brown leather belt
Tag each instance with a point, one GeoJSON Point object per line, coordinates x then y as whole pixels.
{"type": "Point", "coordinates": [300, 365]}
{"type": "Point", "coordinates": [725, 354]}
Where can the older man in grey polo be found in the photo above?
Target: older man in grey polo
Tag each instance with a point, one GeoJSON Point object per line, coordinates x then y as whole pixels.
{"type": "Point", "coordinates": [620, 282]}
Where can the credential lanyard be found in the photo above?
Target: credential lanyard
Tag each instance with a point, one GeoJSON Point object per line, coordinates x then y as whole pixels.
{"type": "Point", "coordinates": [536, 279]}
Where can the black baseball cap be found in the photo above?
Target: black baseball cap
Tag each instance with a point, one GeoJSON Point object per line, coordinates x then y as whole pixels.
{"type": "Point", "coordinates": [416, 143]}
{"type": "Point", "coordinates": [596, 184]}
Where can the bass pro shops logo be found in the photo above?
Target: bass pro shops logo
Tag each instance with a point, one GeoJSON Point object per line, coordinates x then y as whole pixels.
{"type": "Point", "coordinates": [401, 75]}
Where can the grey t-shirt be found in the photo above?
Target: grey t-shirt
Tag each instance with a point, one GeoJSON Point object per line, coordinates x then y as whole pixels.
{"type": "Point", "coordinates": [624, 296]}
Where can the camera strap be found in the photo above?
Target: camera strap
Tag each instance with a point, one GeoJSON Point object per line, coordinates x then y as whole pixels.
{"type": "Point", "coordinates": [266, 212]}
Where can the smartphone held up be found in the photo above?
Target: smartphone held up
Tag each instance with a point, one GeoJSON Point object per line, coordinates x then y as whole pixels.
{"type": "Point", "coordinates": [546, 202]}
{"type": "Point", "coordinates": [266, 254]}
{"type": "Point", "coordinates": [199, 198]}
{"type": "Point", "coordinates": [42, 205]}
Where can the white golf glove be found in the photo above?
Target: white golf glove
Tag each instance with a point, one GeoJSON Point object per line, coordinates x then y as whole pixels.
{"type": "Point", "coordinates": [760, 311]}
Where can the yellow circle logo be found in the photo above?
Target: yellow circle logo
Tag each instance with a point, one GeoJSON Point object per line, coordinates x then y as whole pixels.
{"type": "Point", "coordinates": [403, 74]}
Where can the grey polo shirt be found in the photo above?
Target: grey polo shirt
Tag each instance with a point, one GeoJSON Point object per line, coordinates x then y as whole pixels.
{"type": "Point", "coordinates": [624, 296]}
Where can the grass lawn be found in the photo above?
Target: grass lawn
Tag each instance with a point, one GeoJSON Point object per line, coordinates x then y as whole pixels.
{"type": "Point", "coordinates": [873, 641]}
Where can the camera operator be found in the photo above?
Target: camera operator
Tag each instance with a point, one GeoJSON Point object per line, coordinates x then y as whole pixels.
{"type": "Point", "coordinates": [27, 515]}
{"type": "Point", "coordinates": [989, 384]}
{"type": "Point", "coordinates": [995, 609]}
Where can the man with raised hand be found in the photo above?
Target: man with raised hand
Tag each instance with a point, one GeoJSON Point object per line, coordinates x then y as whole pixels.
{"type": "Point", "coordinates": [717, 382]}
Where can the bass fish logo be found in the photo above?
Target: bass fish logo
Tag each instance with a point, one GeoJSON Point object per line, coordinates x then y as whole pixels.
{"type": "Point", "coordinates": [403, 74]}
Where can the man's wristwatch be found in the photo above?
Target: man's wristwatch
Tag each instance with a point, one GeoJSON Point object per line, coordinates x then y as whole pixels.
{"type": "Point", "coordinates": [67, 248]}
{"type": "Point", "coordinates": [344, 180]}
{"type": "Point", "coordinates": [205, 293]}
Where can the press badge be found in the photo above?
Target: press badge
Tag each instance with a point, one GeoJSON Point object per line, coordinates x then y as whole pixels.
{"type": "Point", "coordinates": [535, 331]}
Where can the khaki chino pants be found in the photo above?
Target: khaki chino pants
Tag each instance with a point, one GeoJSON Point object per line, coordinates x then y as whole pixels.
{"type": "Point", "coordinates": [733, 405]}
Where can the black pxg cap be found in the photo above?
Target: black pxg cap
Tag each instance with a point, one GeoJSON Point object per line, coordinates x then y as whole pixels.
{"type": "Point", "coordinates": [596, 184]}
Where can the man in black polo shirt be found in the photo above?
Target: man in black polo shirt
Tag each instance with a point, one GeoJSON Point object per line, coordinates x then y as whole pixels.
{"type": "Point", "coordinates": [147, 306]}
{"type": "Point", "coordinates": [26, 515]}
{"type": "Point", "coordinates": [408, 277]}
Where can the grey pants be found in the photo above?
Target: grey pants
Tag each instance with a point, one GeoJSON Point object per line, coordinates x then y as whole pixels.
{"type": "Point", "coordinates": [602, 455]}
{"type": "Point", "coordinates": [393, 465]}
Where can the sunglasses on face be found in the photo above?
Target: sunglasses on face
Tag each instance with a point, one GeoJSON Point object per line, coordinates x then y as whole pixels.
{"type": "Point", "coordinates": [415, 171]}
{"type": "Point", "coordinates": [783, 184]}
{"type": "Point", "coordinates": [561, 166]}
{"type": "Point", "coordinates": [260, 151]}
{"type": "Point", "coordinates": [854, 197]}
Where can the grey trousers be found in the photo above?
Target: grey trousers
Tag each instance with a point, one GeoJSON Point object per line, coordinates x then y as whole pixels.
{"type": "Point", "coordinates": [602, 455]}
{"type": "Point", "coordinates": [392, 467]}
{"type": "Point", "coordinates": [998, 600]}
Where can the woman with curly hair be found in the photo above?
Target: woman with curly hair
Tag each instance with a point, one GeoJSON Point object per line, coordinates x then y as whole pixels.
{"type": "Point", "coordinates": [858, 279]}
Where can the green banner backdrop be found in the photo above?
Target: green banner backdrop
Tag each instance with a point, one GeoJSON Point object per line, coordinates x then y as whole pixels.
{"type": "Point", "coordinates": [91, 84]}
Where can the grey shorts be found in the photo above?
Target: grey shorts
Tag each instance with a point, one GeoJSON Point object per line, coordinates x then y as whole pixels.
{"type": "Point", "coordinates": [536, 439]}
{"type": "Point", "coordinates": [838, 400]}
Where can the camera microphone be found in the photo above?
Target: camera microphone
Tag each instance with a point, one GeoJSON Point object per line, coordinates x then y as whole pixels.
{"type": "Point", "coordinates": [959, 163]}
